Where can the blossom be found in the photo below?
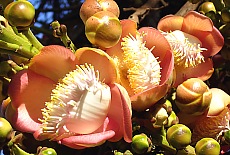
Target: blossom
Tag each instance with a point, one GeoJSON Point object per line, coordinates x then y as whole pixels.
{"type": "Point", "coordinates": [194, 40]}
{"type": "Point", "coordinates": [145, 64]}
{"type": "Point", "coordinates": [71, 99]}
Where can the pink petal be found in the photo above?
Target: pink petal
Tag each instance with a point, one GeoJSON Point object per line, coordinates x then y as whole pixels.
{"type": "Point", "coordinates": [195, 22]}
{"type": "Point", "coordinates": [90, 140]}
{"type": "Point", "coordinates": [54, 62]}
{"type": "Point", "coordinates": [202, 71]}
{"type": "Point", "coordinates": [120, 112]}
{"type": "Point", "coordinates": [101, 62]}
{"type": "Point", "coordinates": [155, 39]}
{"type": "Point", "coordinates": [149, 97]}
{"type": "Point", "coordinates": [212, 41]}
{"type": "Point", "coordinates": [167, 65]}
{"type": "Point", "coordinates": [170, 23]}
{"type": "Point", "coordinates": [31, 90]}
{"type": "Point", "coordinates": [21, 120]}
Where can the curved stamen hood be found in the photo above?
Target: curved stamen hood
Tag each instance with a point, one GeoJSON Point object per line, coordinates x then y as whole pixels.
{"type": "Point", "coordinates": [79, 104]}
{"type": "Point", "coordinates": [143, 68]}
{"type": "Point", "coordinates": [186, 48]}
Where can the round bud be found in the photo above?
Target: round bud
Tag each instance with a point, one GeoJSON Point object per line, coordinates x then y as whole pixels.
{"type": "Point", "coordinates": [193, 96]}
{"type": "Point", "coordinates": [20, 13]}
{"type": "Point", "coordinates": [5, 129]}
{"type": "Point", "coordinates": [207, 7]}
{"type": "Point", "coordinates": [207, 146]}
{"type": "Point", "coordinates": [227, 136]}
{"type": "Point", "coordinates": [48, 151]}
{"type": "Point", "coordinates": [225, 14]}
{"type": "Point", "coordinates": [179, 136]}
{"type": "Point", "coordinates": [140, 144]}
{"type": "Point", "coordinates": [103, 29]}
{"type": "Point", "coordinates": [227, 3]}
{"type": "Point", "coordinates": [90, 7]}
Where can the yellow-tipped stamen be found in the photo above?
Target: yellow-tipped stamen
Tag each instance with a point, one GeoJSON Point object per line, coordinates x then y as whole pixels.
{"type": "Point", "coordinates": [186, 48]}
{"type": "Point", "coordinates": [79, 104]}
{"type": "Point", "coordinates": [143, 68]}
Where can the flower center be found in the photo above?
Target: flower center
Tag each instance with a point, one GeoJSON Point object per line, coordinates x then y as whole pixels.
{"type": "Point", "coordinates": [79, 104]}
{"type": "Point", "coordinates": [143, 68]}
{"type": "Point", "coordinates": [186, 48]}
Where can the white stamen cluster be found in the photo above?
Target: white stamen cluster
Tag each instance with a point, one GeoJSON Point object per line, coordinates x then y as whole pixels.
{"type": "Point", "coordinates": [143, 67]}
{"type": "Point", "coordinates": [65, 105]}
{"type": "Point", "coordinates": [186, 53]}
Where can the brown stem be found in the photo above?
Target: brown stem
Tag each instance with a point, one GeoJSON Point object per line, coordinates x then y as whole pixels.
{"type": "Point", "coordinates": [188, 6]}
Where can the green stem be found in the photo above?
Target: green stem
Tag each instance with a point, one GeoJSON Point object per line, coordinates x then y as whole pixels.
{"type": "Point", "coordinates": [60, 31]}
{"type": "Point", "coordinates": [30, 36]}
{"type": "Point", "coordinates": [11, 41]}
{"type": "Point", "coordinates": [16, 150]}
{"type": "Point", "coordinates": [9, 52]}
{"type": "Point", "coordinates": [159, 138]}
{"type": "Point", "coordinates": [15, 49]}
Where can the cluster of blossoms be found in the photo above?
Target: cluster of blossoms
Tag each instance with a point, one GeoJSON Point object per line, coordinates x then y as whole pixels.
{"type": "Point", "coordinates": [83, 98]}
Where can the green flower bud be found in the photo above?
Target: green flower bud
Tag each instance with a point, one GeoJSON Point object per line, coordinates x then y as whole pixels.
{"type": "Point", "coordinates": [225, 14]}
{"type": "Point", "coordinates": [48, 151]}
{"type": "Point", "coordinates": [207, 146]}
{"type": "Point", "coordinates": [20, 13]}
{"type": "Point", "coordinates": [5, 129]}
{"type": "Point", "coordinates": [227, 3]}
{"type": "Point", "coordinates": [140, 144]}
{"type": "Point", "coordinates": [103, 29]}
{"type": "Point", "coordinates": [227, 136]}
{"type": "Point", "coordinates": [172, 119]}
{"type": "Point", "coordinates": [179, 136]}
{"type": "Point", "coordinates": [207, 7]}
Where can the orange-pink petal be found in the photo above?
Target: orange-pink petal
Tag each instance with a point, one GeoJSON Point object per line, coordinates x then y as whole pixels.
{"type": "Point", "coordinates": [149, 97]}
{"type": "Point", "coordinates": [101, 62]}
{"type": "Point", "coordinates": [54, 62]}
{"type": "Point", "coordinates": [90, 140]}
{"type": "Point", "coordinates": [203, 71]}
{"type": "Point", "coordinates": [154, 38]}
{"type": "Point", "coordinates": [21, 119]}
{"type": "Point", "coordinates": [120, 112]}
{"type": "Point", "coordinates": [170, 23]}
{"type": "Point", "coordinates": [212, 41]}
{"type": "Point", "coordinates": [195, 22]}
{"type": "Point", "coordinates": [31, 90]}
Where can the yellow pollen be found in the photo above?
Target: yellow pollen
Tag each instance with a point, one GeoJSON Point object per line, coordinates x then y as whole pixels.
{"type": "Point", "coordinates": [75, 102]}
{"type": "Point", "coordinates": [143, 68]}
{"type": "Point", "coordinates": [186, 48]}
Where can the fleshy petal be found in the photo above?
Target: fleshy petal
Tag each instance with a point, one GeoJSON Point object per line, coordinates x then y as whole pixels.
{"type": "Point", "coordinates": [202, 71]}
{"type": "Point", "coordinates": [90, 140]}
{"type": "Point", "coordinates": [167, 65]}
{"type": "Point", "coordinates": [149, 97]}
{"type": "Point", "coordinates": [155, 39]}
{"type": "Point", "coordinates": [54, 62]}
{"type": "Point", "coordinates": [170, 23]}
{"type": "Point", "coordinates": [212, 41]}
{"type": "Point", "coordinates": [195, 22]}
{"type": "Point", "coordinates": [120, 111]}
{"type": "Point", "coordinates": [21, 119]}
{"type": "Point", "coordinates": [101, 62]}
{"type": "Point", "coordinates": [32, 90]}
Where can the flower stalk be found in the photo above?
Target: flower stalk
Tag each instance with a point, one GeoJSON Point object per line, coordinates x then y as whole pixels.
{"type": "Point", "coordinates": [60, 31]}
{"type": "Point", "coordinates": [9, 40]}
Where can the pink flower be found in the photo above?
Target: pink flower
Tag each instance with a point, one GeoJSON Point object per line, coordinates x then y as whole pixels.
{"type": "Point", "coordinates": [194, 40]}
{"type": "Point", "coordinates": [145, 63]}
{"type": "Point", "coordinates": [72, 99]}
